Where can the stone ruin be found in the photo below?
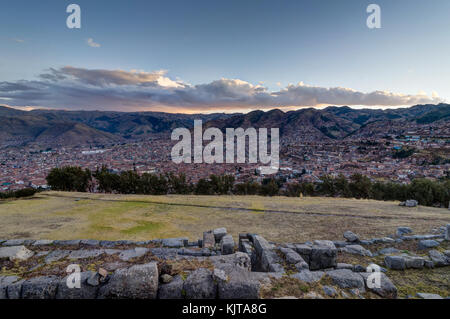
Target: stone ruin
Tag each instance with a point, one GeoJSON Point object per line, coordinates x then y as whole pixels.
{"type": "Point", "coordinates": [218, 267]}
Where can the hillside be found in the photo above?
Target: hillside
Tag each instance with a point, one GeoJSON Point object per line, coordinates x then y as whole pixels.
{"type": "Point", "coordinates": [52, 127]}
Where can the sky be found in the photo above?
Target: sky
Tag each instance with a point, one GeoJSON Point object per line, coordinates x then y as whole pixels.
{"type": "Point", "coordinates": [215, 55]}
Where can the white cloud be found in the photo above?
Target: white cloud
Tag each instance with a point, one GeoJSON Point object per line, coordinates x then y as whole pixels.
{"type": "Point", "coordinates": [80, 88]}
{"type": "Point", "coordinates": [93, 44]}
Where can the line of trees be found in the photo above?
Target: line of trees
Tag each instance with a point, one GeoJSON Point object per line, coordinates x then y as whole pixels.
{"type": "Point", "coordinates": [426, 192]}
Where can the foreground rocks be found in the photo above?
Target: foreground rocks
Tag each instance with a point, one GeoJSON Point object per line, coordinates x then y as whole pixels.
{"type": "Point", "coordinates": [215, 266]}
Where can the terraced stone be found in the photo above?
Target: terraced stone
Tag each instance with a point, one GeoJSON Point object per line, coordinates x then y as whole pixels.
{"type": "Point", "coordinates": [84, 254]}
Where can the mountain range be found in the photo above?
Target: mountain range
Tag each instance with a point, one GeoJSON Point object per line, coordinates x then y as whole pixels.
{"type": "Point", "coordinates": [49, 128]}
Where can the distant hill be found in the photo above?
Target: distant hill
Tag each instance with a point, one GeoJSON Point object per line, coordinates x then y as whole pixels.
{"type": "Point", "coordinates": [53, 127]}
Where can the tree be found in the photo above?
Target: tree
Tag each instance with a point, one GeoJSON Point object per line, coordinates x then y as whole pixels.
{"type": "Point", "coordinates": [69, 178]}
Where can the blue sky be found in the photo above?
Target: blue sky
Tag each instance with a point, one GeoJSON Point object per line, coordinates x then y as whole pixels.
{"type": "Point", "coordinates": [237, 55]}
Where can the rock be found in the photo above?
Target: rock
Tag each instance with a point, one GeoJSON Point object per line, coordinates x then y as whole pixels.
{"type": "Point", "coordinates": [304, 251]}
{"type": "Point", "coordinates": [344, 266]}
{"type": "Point", "coordinates": [136, 282]}
{"type": "Point", "coordinates": [172, 290]}
{"type": "Point", "coordinates": [219, 233]}
{"type": "Point", "coordinates": [40, 288]}
{"type": "Point", "coordinates": [414, 262]}
{"type": "Point", "coordinates": [268, 260]}
{"type": "Point", "coordinates": [90, 242]}
{"type": "Point", "coordinates": [200, 285]}
{"type": "Point", "coordinates": [18, 242]}
{"type": "Point", "coordinates": [428, 264]}
{"type": "Point", "coordinates": [423, 295]}
{"type": "Point", "coordinates": [240, 285]}
{"type": "Point", "coordinates": [324, 243]}
{"type": "Point", "coordinates": [291, 256]}
{"type": "Point", "coordinates": [5, 281]}
{"type": "Point", "coordinates": [208, 240]}
{"type": "Point", "coordinates": [426, 244]}
{"type": "Point", "coordinates": [382, 285]}
{"type": "Point", "coordinates": [166, 278]}
{"type": "Point", "coordinates": [228, 263]}
{"type": "Point", "coordinates": [359, 268]}
{"type": "Point", "coordinates": [389, 251]}
{"type": "Point", "coordinates": [56, 255]}
{"type": "Point", "coordinates": [350, 236]}
{"type": "Point", "coordinates": [447, 232]}
{"type": "Point", "coordinates": [309, 276]}
{"type": "Point", "coordinates": [227, 245]}
{"type": "Point", "coordinates": [129, 254]}
{"type": "Point", "coordinates": [313, 295]}
{"type": "Point", "coordinates": [357, 250]}
{"type": "Point", "coordinates": [15, 253]}
{"type": "Point", "coordinates": [322, 257]}
{"type": "Point", "coordinates": [219, 275]}
{"type": "Point", "coordinates": [340, 243]}
{"type": "Point", "coordinates": [85, 292]}
{"type": "Point", "coordinates": [43, 242]}
{"type": "Point", "coordinates": [395, 262]}
{"type": "Point", "coordinates": [84, 254]}
{"type": "Point", "coordinates": [329, 291]}
{"type": "Point", "coordinates": [75, 242]}
{"type": "Point", "coordinates": [345, 278]}
{"type": "Point", "coordinates": [175, 242]}
{"type": "Point", "coordinates": [387, 240]}
{"type": "Point", "coordinates": [94, 279]}
{"type": "Point", "coordinates": [411, 203]}
{"type": "Point", "coordinates": [301, 266]}
{"type": "Point", "coordinates": [439, 260]}
{"type": "Point", "coordinates": [108, 243]}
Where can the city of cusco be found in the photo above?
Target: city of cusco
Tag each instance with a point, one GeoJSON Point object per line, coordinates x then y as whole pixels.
{"type": "Point", "coordinates": [266, 156]}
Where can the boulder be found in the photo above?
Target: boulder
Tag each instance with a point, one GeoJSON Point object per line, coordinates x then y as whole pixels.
{"type": "Point", "coordinates": [395, 262]}
{"type": "Point", "coordinates": [423, 295]}
{"type": "Point", "coordinates": [438, 259]}
{"type": "Point", "coordinates": [357, 250]}
{"type": "Point", "coordinates": [219, 275]}
{"type": "Point", "coordinates": [329, 291]}
{"type": "Point", "coordinates": [309, 276]}
{"type": "Point", "coordinates": [40, 288]}
{"type": "Point", "coordinates": [322, 257]}
{"type": "Point", "coordinates": [388, 251]}
{"type": "Point", "coordinates": [304, 251]}
{"type": "Point", "coordinates": [345, 278]}
{"type": "Point", "coordinates": [5, 281]}
{"type": "Point", "coordinates": [414, 262]}
{"type": "Point", "coordinates": [136, 282]}
{"type": "Point", "coordinates": [43, 242]}
{"type": "Point", "coordinates": [15, 253]}
{"type": "Point", "coordinates": [129, 254]}
{"type": "Point", "coordinates": [166, 278]}
{"type": "Point", "coordinates": [208, 240]}
{"type": "Point", "coordinates": [219, 233]}
{"type": "Point", "coordinates": [14, 290]}
{"type": "Point", "coordinates": [229, 263]}
{"type": "Point", "coordinates": [175, 242]}
{"type": "Point", "coordinates": [426, 244]}
{"type": "Point", "coordinates": [56, 255]}
{"type": "Point", "coordinates": [240, 285]}
{"type": "Point", "coordinates": [172, 290]}
{"type": "Point", "coordinates": [200, 285]}
{"type": "Point", "coordinates": [84, 253]}
{"type": "Point", "coordinates": [411, 203]}
{"type": "Point", "coordinates": [227, 245]}
{"type": "Point", "coordinates": [344, 266]}
{"type": "Point", "coordinates": [350, 236]}
{"type": "Point", "coordinates": [447, 232]}
{"type": "Point", "coordinates": [84, 292]}
{"type": "Point", "coordinates": [382, 285]}
{"type": "Point", "coordinates": [291, 256]}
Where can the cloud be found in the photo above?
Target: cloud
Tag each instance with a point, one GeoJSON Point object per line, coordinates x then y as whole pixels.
{"type": "Point", "coordinates": [93, 44]}
{"type": "Point", "coordinates": [19, 40]}
{"type": "Point", "coordinates": [79, 88]}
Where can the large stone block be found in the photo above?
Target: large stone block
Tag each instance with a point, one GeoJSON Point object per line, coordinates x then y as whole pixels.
{"type": "Point", "coordinates": [200, 285]}
{"type": "Point", "coordinates": [84, 292]}
{"type": "Point", "coordinates": [136, 282]}
{"type": "Point", "coordinates": [322, 257]}
{"type": "Point", "coordinates": [395, 262]}
{"type": "Point", "coordinates": [219, 233]}
{"type": "Point", "coordinates": [227, 245]}
{"type": "Point", "coordinates": [172, 290]}
{"type": "Point", "coordinates": [345, 278]}
{"type": "Point", "coordinates": [15, 253]}
{"type": "Point", "coordinates": [208, 240]}
{"type": "Point", "coordinates": [40, 288]}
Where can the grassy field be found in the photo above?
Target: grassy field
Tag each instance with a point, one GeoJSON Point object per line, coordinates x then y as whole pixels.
{"type": "Point", "coordinates": [60, 215]}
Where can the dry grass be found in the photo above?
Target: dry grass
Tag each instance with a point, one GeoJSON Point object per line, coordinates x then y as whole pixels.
{"type": "Point", "coordinates": [59, 215]}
